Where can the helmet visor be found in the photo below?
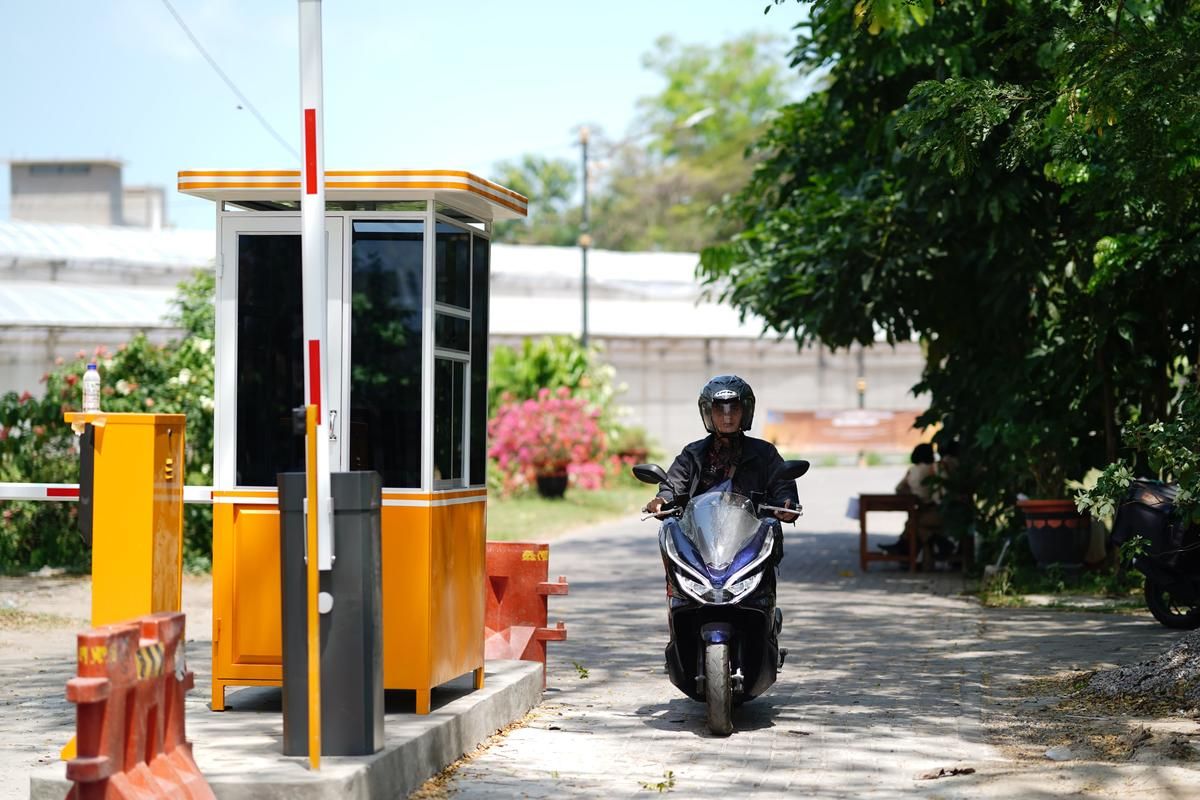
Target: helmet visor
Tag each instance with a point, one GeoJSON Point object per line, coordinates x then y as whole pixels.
{"type": "Point", "coordinates": [722, 407]}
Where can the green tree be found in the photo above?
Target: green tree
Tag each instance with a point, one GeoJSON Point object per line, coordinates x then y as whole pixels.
{"type": "Point", "coordinates": [554, 362]}
{"type": "Point", "coordinates": [550, 186]}
{"type": "Point", "coordinates": [1009, 183]}
{"type": "Point", "coordinates": [36, 446]}
{"type": "Point", "coordinates": [687, 149]}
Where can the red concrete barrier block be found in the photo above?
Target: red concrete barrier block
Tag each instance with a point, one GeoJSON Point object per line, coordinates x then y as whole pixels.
{"type": "Point", "coordinates": [129, 714]}
{"type": "Point", "coordinates": [515, 620]}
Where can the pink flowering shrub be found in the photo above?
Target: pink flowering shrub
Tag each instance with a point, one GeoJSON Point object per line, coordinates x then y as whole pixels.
{"type": "Point", "coordinates": [549, 435]}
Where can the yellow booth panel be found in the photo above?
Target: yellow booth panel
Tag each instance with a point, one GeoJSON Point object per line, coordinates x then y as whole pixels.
{"type": "Point", "coordinates": [257, 594]}
{"type": "Point", "coordinates": [247, 632]}
{"type": "Point", "coordinates": [433, 572]}
{"type": "Point", "coordinates": [405, 567]}
{"type": "Point", "coordinates": [459, 571]}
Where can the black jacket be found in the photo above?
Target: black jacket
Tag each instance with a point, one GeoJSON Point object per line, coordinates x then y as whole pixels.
{"type": "Point", "coordinates": [757, 472]}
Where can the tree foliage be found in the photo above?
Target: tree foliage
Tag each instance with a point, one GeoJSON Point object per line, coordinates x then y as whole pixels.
{"type": "Point", "coordinates": [1014, 184]}
{"type": "Point", "coordinates": [550, 184]}
{"type": "Point", "coordinates": [685, 152]}
{"type": "Point", "coordinates": [553, 362]}
{"type": "Point", "coordinates": [37, 446]}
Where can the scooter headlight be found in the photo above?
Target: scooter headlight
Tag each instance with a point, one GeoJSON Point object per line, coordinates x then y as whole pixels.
{"type": "Point", "coordinates": [744, 586]}
{"type": "Point", "coordinates": [694, 588]}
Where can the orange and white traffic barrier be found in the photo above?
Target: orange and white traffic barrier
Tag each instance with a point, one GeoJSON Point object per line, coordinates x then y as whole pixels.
{"type": "Point", "coordinates": [130, 739]}
{"type": "Point", "coordinates": [515, 619]}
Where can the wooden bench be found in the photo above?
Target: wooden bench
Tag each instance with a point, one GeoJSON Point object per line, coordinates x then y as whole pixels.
{"type": "Point", "coordinates": [887, 502]}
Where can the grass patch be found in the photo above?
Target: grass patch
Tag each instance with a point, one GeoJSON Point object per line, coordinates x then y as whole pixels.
{"type": "Point", "coordinates": [1009, 587]}
{"type": "Point", "coordinates": [536, 518]}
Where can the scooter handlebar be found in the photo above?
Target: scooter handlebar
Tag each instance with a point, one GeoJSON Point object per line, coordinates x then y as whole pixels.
{"type": "Point", "coordinates": [798, 510]}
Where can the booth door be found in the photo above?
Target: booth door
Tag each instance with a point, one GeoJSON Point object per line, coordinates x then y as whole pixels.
{"type": "Point", "coordinates": [260, 361]}
{"type": "Point", "coordinates": [260, 379]}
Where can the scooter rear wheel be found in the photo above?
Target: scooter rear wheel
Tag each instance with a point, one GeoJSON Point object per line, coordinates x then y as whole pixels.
{"type": "Point", "coordinates": [718, 691]}
{"type": "Point", "coordinates": [1168, 611]}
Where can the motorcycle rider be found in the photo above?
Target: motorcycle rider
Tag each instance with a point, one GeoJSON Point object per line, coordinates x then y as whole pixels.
{"type": "Point", "coordinates": [752, 466]}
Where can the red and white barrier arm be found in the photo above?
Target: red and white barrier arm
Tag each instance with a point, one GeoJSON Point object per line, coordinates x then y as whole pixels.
{"type": "Point", "coordinates": [70, 492]}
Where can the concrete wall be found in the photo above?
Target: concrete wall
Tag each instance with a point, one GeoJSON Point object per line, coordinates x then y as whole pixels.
{"type": "Point", "coordinates": [663, 378]}
{"type": "Point", "coordinates": [83, 192]}
{"type": "Point", "coordinates": [144, 207]}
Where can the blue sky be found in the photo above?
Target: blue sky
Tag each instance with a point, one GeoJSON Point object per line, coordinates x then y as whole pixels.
{"type": "Point", "coordinates": [447, 85]}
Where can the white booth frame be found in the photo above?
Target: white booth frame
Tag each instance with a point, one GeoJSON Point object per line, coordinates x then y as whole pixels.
{"type": "Point", "coordinates": [231, 224]}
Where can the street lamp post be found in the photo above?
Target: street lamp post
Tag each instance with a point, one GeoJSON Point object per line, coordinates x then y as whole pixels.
{"type": "Point", "coordinates": [585, 238]}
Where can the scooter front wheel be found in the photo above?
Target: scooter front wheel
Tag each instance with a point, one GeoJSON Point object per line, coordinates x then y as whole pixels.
{"type": "Point", "coordinates": [1169, 611]}
{"type": "Point", "coordinates": [718, 691]}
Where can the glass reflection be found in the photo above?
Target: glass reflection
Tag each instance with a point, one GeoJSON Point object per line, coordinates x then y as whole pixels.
{"type": "Point", "coordinates": [448, 399]}
{"type": "Point", "coordinates": [385, 350]}
{"type": "Point", "coordinates": [479, 360]}
{"type": "Point", "coordinates": [453, 283]}
{"type": "Point", "coordinates": [270, 358]}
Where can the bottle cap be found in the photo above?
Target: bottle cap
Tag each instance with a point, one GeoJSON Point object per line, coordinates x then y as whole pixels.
{"type": "Point", "coordinates": [91, 365]}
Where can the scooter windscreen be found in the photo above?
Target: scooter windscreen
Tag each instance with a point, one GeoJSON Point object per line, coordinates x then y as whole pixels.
{"type": "Point", "coordinates": [719, 524]}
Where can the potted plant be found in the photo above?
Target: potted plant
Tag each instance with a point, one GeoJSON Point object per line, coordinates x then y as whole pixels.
{"type": "Point", "coordinates": [538, 441]}
{"type": "Point", "coordinates": [1058, 533]}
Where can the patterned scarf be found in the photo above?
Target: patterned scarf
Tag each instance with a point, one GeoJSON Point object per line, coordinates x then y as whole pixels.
{"type": "Point", "coordinates": [720, 461]}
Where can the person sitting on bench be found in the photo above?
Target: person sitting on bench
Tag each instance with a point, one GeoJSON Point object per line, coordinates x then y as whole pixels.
{"type": "Point", "coordinates": [916, 482]}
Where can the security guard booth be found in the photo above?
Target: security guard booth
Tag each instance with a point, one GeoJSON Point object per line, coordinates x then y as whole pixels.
{"type": "Point", "coordinates": [407, 317]}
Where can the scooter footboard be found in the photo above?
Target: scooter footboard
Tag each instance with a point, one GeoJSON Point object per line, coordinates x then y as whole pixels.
{"type": "Point", "coordinates": [753, 650]}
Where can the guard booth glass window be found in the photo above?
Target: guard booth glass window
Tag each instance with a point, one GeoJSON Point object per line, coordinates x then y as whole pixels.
{"type": "Point", "coordinates": [452, 348]}
{"type": "Point", "coordinates": [453, 285]}
{"type": "Point", "coordinates": [270, 334]}
{"type": "Point", "coordinates": [448, 398]}
{"type": "Point", "coordinates": [385, 350]}
{"type": "Point", "coordinates": [479, 359]}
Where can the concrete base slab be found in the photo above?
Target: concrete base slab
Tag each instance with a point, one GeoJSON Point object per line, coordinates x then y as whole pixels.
{"type": "Point", "coordinates": [238, 750]}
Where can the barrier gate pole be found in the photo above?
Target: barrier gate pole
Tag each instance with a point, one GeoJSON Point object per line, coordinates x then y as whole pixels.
{"type": "Point", "coordinates": [316, 357]}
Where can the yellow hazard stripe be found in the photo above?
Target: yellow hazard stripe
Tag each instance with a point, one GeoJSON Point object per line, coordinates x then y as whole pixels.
{"type": "Point", "coordinates": [150, 661]}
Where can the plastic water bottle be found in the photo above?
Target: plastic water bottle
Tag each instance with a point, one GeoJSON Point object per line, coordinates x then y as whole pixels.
{"type": "Point", "coordinates": [91, 389]}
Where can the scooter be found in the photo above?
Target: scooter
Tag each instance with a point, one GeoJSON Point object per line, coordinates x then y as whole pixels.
{"type": "Point", "coordinates": [1169, 555]}
{"type": "Point", "coordinates": [720, 559]}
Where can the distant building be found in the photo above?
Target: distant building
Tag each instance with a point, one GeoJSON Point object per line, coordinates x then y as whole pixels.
{"type": "Point", "coordinates": [66, 288]}
{"type": "Point", "coordinates": [84, 192]}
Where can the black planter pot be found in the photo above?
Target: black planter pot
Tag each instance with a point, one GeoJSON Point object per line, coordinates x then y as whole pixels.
{"type": "Point", "coordinates": [1058, 534]}
{"type": "Point", "coordinates": [552, 486]}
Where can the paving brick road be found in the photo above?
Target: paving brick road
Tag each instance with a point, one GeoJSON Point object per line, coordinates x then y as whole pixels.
{"type": "Point", "coordinates": [884, 680]}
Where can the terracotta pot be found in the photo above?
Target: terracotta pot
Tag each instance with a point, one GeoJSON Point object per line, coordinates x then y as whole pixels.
{"type": "Point", "coordinates": [1058, 534]}
{"type": "Point", "coordinates": [552, 486]}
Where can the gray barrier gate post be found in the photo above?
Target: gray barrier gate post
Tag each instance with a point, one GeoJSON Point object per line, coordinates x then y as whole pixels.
{"type": "Point", "coordinates": [352, 631]}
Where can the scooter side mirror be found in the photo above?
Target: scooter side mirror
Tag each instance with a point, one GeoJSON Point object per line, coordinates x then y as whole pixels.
{"type": "Point", "coordinates": [794, 469]}
{"type": "Point", "coordinates": [649, 473]}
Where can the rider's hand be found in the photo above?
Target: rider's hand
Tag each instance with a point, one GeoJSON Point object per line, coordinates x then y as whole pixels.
{"type": "Point", "coordinates": [654, 506]}
{"type": "Point", "coordinates": [786, 516]}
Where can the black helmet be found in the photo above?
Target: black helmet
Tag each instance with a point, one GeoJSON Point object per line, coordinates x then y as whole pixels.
{"type": "Point", "coordinates": [724, 388]}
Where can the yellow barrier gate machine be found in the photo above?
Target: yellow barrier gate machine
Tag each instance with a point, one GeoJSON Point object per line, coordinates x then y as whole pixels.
{"type": "Point", "coordinates": [407, 320]}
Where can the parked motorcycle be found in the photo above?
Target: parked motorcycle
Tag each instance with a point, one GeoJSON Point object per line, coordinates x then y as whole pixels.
{"type": "Point", "coordinates": [1169, 555]}
{"type": "Point", "coordinates": [720, 558]}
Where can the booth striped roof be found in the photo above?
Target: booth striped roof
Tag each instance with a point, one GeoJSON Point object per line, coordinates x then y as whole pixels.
{"type": "Point", "coordinates": [487, 200]}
